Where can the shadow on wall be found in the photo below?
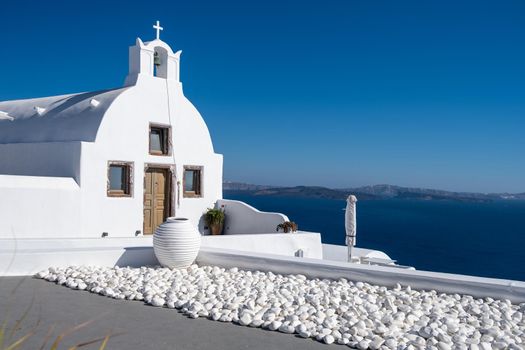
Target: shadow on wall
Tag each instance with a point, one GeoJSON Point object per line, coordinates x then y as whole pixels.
{"type": "Point", "coordinates": [203, 229]}
{"type": "Point", "coordinates": [137, 257]}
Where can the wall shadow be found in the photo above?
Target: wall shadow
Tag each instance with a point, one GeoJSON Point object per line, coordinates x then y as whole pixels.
{"type": "Point", "coordinates": [137, 257]}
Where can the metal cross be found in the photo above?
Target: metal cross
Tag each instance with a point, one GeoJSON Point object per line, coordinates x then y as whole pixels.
{"type": "Point", "coordinates": [158, 28]}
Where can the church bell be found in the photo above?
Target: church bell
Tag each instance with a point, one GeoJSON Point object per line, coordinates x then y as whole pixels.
{"type": "Point", "coordinates": [156, 59]}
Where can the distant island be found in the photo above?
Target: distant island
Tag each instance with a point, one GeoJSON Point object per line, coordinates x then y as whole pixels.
{"type": "Point", "coordinates": [368, 192]}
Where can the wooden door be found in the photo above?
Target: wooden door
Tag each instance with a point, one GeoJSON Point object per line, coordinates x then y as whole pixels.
{"type": "Point", "coordinates": [156, 198]}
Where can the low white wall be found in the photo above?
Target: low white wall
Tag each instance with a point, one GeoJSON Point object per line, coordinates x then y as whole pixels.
{"type": "Point", "coordinates": [242, 218]}
{"type": "Point", "coordinates": [340, 253]}
{"type": "Point", "coordinates": [386, 276]}
{"type": "Point", "coordinates": [22, 257]}
{"type": "Point", "coordinates": [26, 257]}
{"type": "Point", "coordinates": [32, 206]}
{"type": "Point", "coordinates": [287, 244]}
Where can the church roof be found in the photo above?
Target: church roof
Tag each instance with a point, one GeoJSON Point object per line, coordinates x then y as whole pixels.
{"type": "Point", "coordinates": [75, 117]}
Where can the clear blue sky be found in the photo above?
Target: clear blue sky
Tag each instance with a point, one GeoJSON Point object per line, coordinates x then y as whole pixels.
{"type": "Point", "coordinates": [333, 93]}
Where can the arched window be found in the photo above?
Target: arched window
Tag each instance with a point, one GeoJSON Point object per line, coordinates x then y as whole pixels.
{"type": "Point", "coordinates": [160, 62]}
{"type": "Point", "coordinates": [156, 63]}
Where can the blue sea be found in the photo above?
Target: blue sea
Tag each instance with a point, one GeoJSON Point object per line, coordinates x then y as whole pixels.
{"type": "Point", "coordinates": [483, 239]}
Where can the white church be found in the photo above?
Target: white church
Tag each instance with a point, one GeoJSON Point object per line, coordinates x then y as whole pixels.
{"type": "Point", "coordinates": [114, 162]}
{"type": "Point", "coordinates": [86, 178]}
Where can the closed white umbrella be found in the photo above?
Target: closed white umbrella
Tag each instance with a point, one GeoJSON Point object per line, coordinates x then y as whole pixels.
{"type": "Point", "coordinates": [350, 224]}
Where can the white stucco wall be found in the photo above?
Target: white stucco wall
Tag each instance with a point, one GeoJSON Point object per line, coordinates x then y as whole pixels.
{"type": "Point", "coordinates": [26, 257]}
{"type": "Point", "coordinates": [61, 159]}
{"type": "Point", "coordinates": [380, 275]}
{"type": "Point", "coordinates": [287, 244]}
{"type": "Point", "coordinates": [33, 206]}
{"type": "Point", "coordinates": [242, 218]}
{"type": "Point", "coordinates": [340, 253]}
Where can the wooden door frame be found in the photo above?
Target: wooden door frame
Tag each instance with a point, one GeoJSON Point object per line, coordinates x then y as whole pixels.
{"type": "Point", "coordinates": [171, 179]}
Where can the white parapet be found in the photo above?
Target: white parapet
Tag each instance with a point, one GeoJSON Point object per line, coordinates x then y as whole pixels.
{"type": "Point", "coordinates": [242, 218]}
{"type": "Point", "coordinates": [19, 257]}
{"type": "Point", "coordinates": [340, 253]}
{"type": "Point", "coordinates": [23, 257]}
{"type": "Point", "coordinates": [28, 256]}
{"type": "Point", "coordinates": [379, 275]}
{"type": "Point", "coordinates": [305, 244]}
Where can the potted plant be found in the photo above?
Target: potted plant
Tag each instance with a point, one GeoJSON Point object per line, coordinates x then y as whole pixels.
{"type": "Point", "coordinates": [214, 219]}
{"type": "Point", "coordinates": [287, 227]}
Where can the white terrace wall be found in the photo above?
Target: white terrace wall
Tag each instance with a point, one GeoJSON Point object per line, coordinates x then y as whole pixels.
{"type": "Point", "coordinates": [33, 206]}
{"type": "Point", "coordinates": [381, 275]}
{"type": "Point", "coordinates": [242, 218]}
{"type": "Point", "coordinates": [28, 256]}
{"type": "Point", "coordinates": [305, 244]}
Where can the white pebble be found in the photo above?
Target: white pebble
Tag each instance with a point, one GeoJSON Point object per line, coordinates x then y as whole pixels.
{"type": "Point", "coordinates": [363, 345]}
{"type": "Point", "coordinates": [328, 339]}
{"type": "Point", "coordinates": [359, 315]}
{"type": "Point", "coordinates": [245, 319]}
{"type": "Point", "coordinates": [443, 346]}
{"type": "Point", "coordinates": [157, 301]}
{"type": "Point", "coordinates": [275, 325]}
{"type": "Point", "coordinates": [286, 329]}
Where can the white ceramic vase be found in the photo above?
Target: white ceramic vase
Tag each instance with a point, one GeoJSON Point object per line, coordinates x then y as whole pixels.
{"type": "Point", "coordinates": [176, 243]}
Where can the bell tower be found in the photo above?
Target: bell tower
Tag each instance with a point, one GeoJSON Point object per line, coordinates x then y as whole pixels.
{"type": "Point", "coordinates": [153, 60]}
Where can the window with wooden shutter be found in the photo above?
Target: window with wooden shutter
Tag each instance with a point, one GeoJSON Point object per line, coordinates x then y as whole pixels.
{"type": "Point", "coordinates": [159, 140]}
{"type": "Point", "coordinates": [120, 175]}
{"type": "Point", "coordinates": [192, 181]}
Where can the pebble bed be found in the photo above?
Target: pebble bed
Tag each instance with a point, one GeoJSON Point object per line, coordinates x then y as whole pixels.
{"type": "Point", "coordinates": [359, 315]}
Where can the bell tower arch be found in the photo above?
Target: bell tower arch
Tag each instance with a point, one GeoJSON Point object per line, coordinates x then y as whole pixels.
{"type": "Point", "coordinates": [154, 59]}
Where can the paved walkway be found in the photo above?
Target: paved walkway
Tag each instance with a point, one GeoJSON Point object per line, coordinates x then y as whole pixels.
{"type": "Point", "coordinates": [143, 327]}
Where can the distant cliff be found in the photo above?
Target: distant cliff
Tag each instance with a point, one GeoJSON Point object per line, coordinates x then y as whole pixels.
{"type": "Point", "coordinates": [368, 192]}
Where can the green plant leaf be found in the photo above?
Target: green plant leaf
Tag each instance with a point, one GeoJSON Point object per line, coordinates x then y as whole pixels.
{"type": "Point", "coordinates": [214, 216]}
